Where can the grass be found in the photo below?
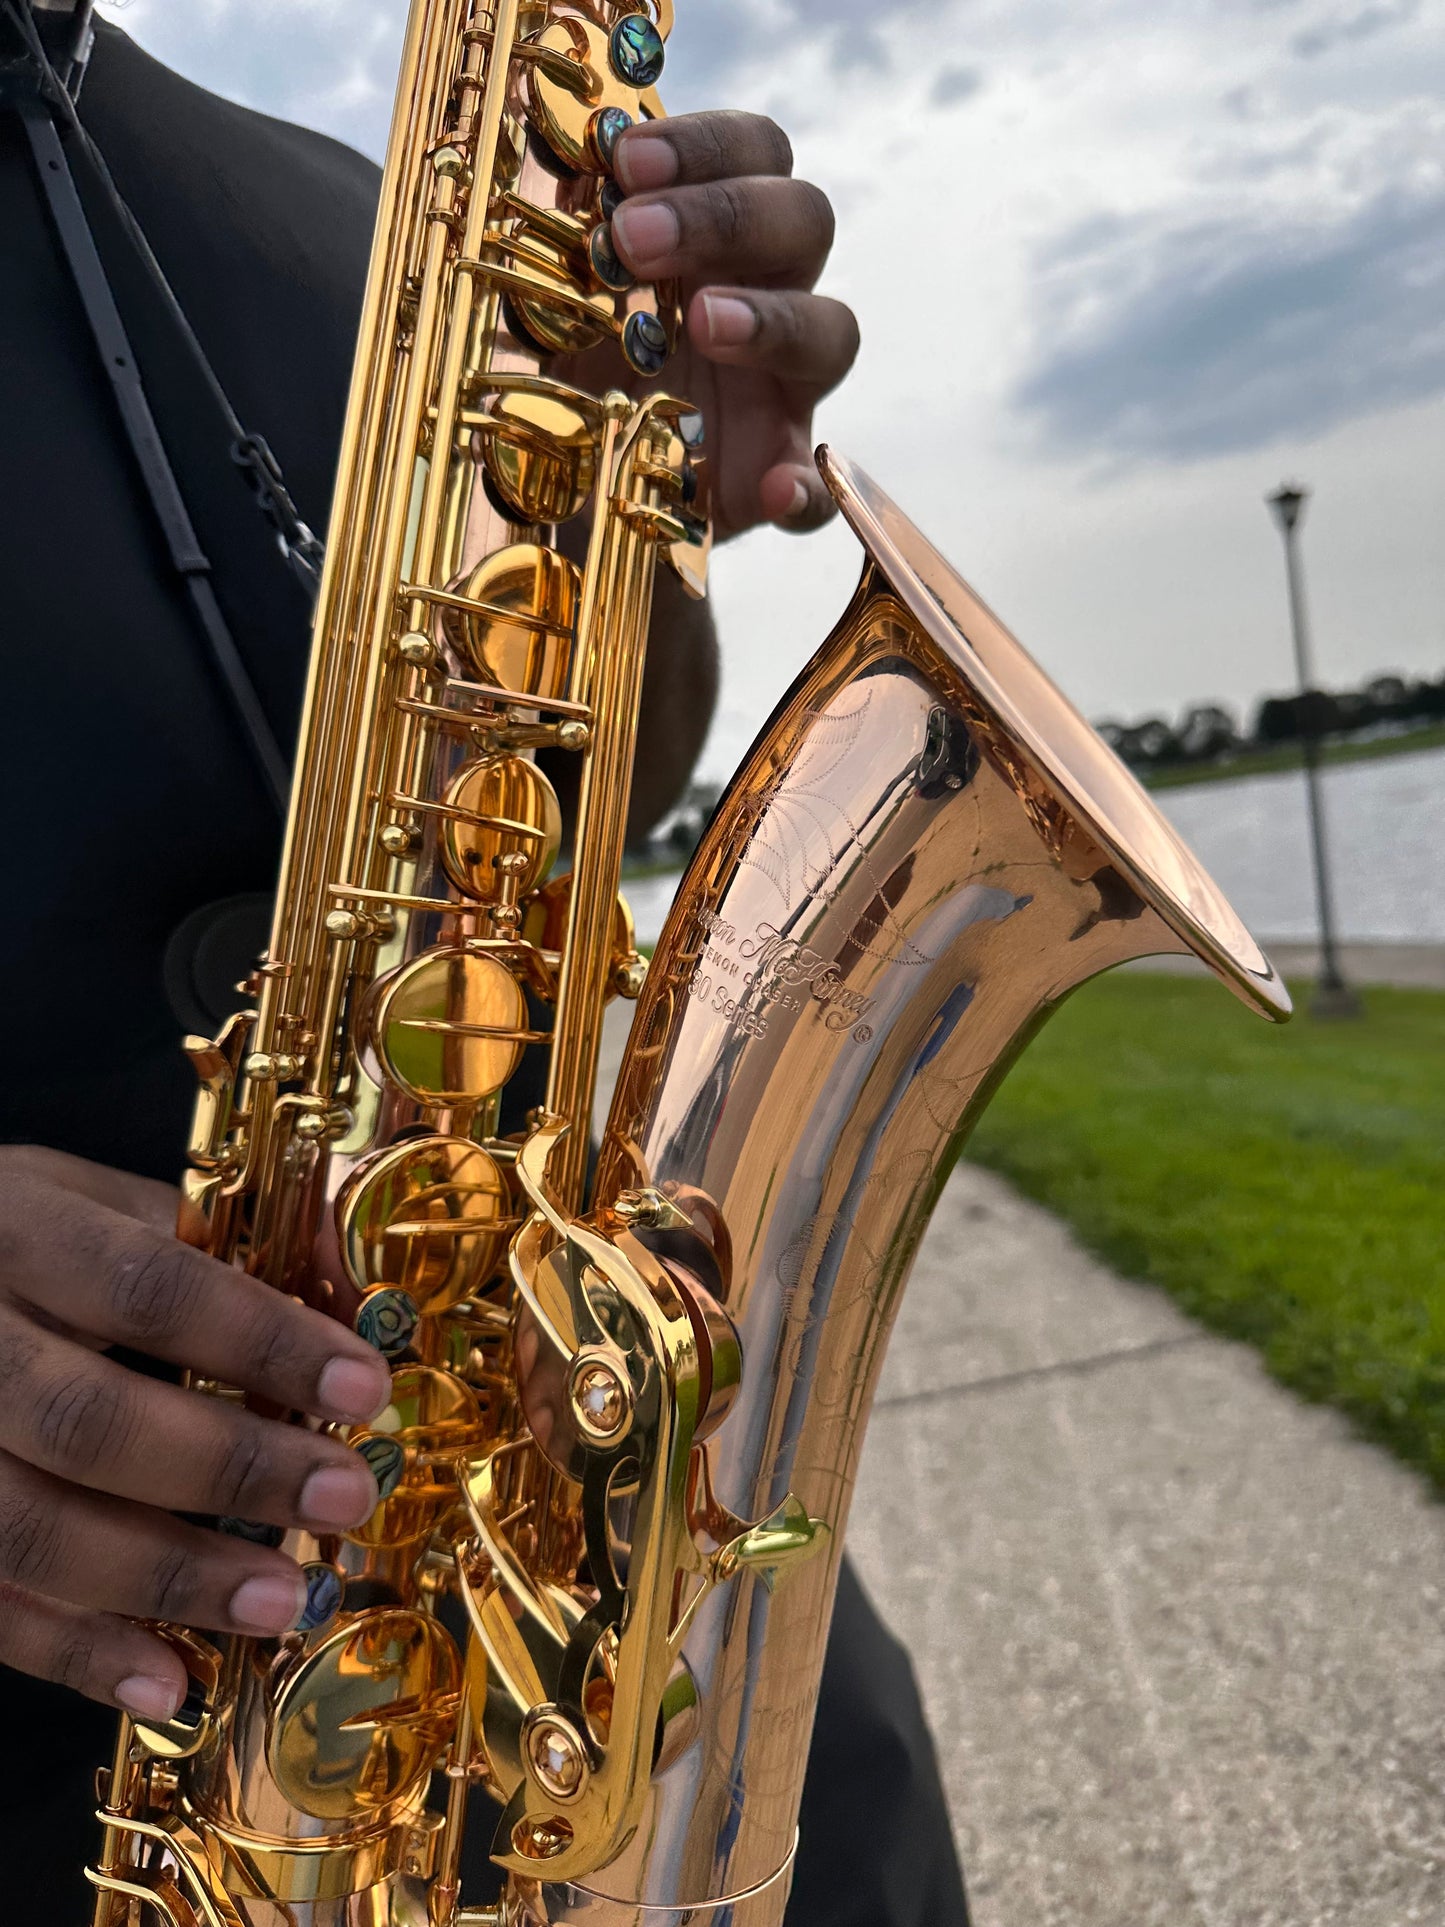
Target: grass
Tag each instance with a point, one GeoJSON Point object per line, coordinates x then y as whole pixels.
{"type": "Point", "coordinates": [1285, 1186]}
{"type": "Point", "coordinates": [1264, 762]}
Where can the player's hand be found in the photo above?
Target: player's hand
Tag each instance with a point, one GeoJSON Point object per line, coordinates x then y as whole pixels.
{"type": "Point", "coordinates": [96, 1459]}
{"type": "Point", "coordinates": [711, 202]}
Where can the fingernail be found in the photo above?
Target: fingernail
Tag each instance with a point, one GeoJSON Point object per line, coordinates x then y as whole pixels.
{"type": "Point", "coordinates": [730, 322]}
{"type": "Point", "coordinates": [355, 1389]}
{"type": "Point", "coordinates": [147, 1698]}
{"type": "Point", "coordinates": [799, 501]}
{"type": "Point", "coordinates": [340, 1495]}
{"type": "Point", "coordinates": [645, 162]}
{"type": "Point", "coordinates": [268, 1605]}
{"type": "Point", "coordinates": [645, 234]}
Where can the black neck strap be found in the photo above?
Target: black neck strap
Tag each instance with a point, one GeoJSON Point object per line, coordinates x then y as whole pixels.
{"type": "Point", "coordinates": [66, 30]}
{"type": "Point", "coordinates": [33, 86]}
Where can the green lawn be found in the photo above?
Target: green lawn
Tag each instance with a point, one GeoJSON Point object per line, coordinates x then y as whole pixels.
{"type": "Point", "coordinates": [1284, 1185]}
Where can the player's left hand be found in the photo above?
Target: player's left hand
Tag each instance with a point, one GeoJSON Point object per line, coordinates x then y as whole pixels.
{"type": "Point", "coordinates": [711, 202]}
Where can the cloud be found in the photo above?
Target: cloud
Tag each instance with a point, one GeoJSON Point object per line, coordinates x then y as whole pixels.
{"type": "Point", "coordinates": [1257, 262]}
{"type": "Point", "coordinates": [1211, 338]}
{"type": "Point", "coordinates": [1363, 24]}
{"type": "Point", "coordinates": [1130, 171]}
{"type": "Point", "coordinates": [720, 39]}
{"type": "Point", "coordinates": [330, 64]}
{"type": "Point", "coordinates": [954, 84]}
{"type": "Point", "coordinates": [849, 22]}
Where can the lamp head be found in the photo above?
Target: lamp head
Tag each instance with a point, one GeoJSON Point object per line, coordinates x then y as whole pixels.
{"type": "Point", "coordinates": [1288, 503]}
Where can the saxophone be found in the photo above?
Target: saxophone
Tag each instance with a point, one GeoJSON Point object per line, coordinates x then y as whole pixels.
{"type": "Point", "coordinates": [626, 1413]}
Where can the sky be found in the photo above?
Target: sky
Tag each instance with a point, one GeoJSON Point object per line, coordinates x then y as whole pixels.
{"type": "Point", "coordinates": [1121, 267]}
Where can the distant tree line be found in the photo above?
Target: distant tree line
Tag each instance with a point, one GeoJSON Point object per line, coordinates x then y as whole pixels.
{"type": "Point", "coordinates": [1205, 733]}
{"type": "Point", "coordinates": [1211, 733]}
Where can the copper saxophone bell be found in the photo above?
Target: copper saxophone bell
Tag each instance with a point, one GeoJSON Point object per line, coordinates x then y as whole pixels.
{"type": "Point", "coordinates": [588, 1617]}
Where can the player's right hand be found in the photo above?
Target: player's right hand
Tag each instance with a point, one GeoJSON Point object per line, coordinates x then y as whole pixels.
{"type": "Point", "coordinates": [96, 1460]}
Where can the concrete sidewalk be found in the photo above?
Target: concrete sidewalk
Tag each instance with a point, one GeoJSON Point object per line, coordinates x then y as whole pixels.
{"type": "Point", "coordinates": [1403, 966]}
{"type": "Point", "coordinates": [1180, 1635]}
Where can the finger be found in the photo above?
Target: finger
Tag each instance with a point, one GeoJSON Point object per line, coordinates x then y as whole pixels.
{"type": "Point", "coordinates": [796, 498]}
{"type": "Point", "coordinates": [111, 1556]}
{"type": "Point", "coordinates": [144, 1199]}
{"type": "Point", "coordinates": [805, 338]}
{"type": "Point", "coordinates": [105, 1658]}
{"type": "Point", "coordinates": [755, 231]}
{"type": "Point", "coordinates": [107, 1275]}
{"type": "Point", "coordinates": [90, 1421]}
{"type": "Point", "coordinates": [700, 147]}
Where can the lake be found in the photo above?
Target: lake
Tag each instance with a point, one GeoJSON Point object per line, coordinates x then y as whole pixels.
{"type": "Point", "coordinates": [1385, 824]}
{"type": "Point", "coordinates": [1385, 834]}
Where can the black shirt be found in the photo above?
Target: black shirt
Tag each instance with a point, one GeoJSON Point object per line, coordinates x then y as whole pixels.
{"type": "Point", "coordinates": [131, 797]}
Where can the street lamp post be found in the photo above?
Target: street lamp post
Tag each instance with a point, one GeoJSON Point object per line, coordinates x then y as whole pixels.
{"type": "Point", "coordinates": [1333, 996]}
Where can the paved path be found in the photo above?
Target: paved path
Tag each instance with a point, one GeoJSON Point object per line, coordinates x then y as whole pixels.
{"type": "Point", "coordinates": [1181, 1637]}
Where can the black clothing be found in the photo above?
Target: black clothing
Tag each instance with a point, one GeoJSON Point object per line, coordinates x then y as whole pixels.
{"type": "Point", "coordinates": [139, 799]}
{"type": "Point", "coordinates": [131, 802]}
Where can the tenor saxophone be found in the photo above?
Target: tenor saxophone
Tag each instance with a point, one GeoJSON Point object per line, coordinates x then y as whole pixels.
{"type": "Point", "coordinates": [627, 1412]}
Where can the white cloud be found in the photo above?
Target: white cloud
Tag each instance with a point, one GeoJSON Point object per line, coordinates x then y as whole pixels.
{"type": "Point", "coordinates": [328, 63]}
{"type": "Point", "coordinates": [1161, 255]}
{"type": "Point", "coordinates": [1340, 27]}
{"type": "Point", "coordinates": [1217, 336]}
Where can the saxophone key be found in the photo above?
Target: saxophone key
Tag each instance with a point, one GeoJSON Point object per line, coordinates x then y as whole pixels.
{"type": "Point", "coordinates": [427, 1220]}
{"type": "Point", "coordinates": [514, 620]}
{"type": "Point", "coordinates": [500, 808]}
{"type": "Point", "coordinates": [450, 1027]}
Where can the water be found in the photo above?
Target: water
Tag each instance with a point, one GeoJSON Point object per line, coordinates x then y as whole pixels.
{"type": "Point", "coordinates": [1385, 822]}
{"type": "Point", "coordinates": [1385, 831]}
